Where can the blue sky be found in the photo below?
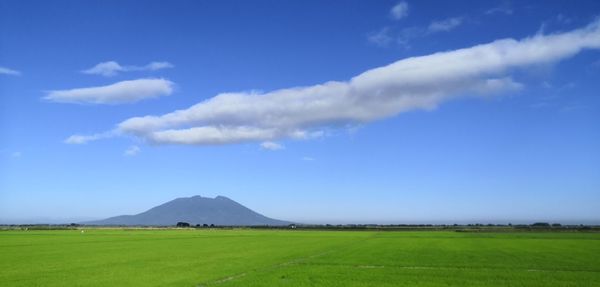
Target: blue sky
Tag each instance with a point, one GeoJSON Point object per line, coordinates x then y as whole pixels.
{"type": "Point", "coordinates": [311, 111]}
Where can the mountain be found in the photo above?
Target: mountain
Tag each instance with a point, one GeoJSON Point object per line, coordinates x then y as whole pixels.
{"type": "Point", "coordinates": [194, 210]}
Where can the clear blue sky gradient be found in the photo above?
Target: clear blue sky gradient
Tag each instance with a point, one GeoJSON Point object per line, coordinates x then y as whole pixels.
{"type": "Point", "coordinates": [526, 155]}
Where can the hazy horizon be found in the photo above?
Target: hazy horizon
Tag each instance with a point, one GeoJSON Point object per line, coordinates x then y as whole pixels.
{"type": "Point", "coordinates": [306, 111]}
{"type": "Point", "coordinates": [309, 220]}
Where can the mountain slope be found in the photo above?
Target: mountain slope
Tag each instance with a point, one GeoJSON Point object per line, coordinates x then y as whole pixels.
{"type": "Point", "coordinates": [194, 210]}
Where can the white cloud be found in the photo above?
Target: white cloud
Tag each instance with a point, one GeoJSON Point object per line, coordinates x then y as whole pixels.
{"type": "Point", "coordinates": [7, 71]}
{"type": "Point", "coordinates": [16, 154]}
{"type": "Point", "coordinates": [444, 25]}
{"type": "Point", "coordinates": [117, 93]}
{"type": "Point", "coordinates": [399, 11]}
{"type": "Point", "coordinates": [409, 84]}
{"type": "Point", "coordinates": [112, 68]}
{"type": "Point", "coordinates": [271, 145]}
{"type": "Point", "coordinates": [132, 150]}
{"type": "Point", "coordinates": [308, 158]}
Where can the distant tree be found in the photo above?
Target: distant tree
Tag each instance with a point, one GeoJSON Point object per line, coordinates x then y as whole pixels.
{"type": "Point", "coordinates": [183, 224]}
{"type": "Point", "coordinates": [541, 224]}
{"type": "Point", "coordinates": [204, 225]}
{"type": "Point", "coordinates": [212, 225]}
{"type": "Point", "coordinates": [556, 225]}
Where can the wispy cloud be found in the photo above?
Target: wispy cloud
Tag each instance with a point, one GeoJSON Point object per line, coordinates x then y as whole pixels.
{"type": "Point", "coordinates": [308, 158]}
{"type": "Point", "coordinates": [16, 154]}
{"type": "Point", "coordinates": [132, 151]}
{"type": "Point", "coordinates": [409, 84]}
{"type": "Point", "coordinates": [112, 68]}
{"type": "Point", "coordinates": [271, 145]}
{"type": "Point", "coordinates": [399, 10]}
{"type": "Point", "coordinates": [7, 71]}
{"type": "Point", "coordinates": [444, 25]}
{"type": "Point", "coordinates": [82, 139]}
{"type": "Point", "coordinates": [573, 107]}
{"type": "Point", "coordinates": [504, 9]}
{"type": "Point", "coordinates": [117, 93]}
{"type": "Point", "coordinates": [562, 19]}
{"type": "Point", "coordinates": [381, 38]}
{"type": "Point", "coordinates": [388, 36]}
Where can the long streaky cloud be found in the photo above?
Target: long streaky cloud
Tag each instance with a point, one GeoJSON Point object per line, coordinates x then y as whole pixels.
{"type": "Point", "coordinates": [7, 71]}
{"type": "Point", "coordinates": [112, 68]}
{"type": "Point", "coordinates": [83, 139]}
{"type": "Point", "coordinates": [117, 93]}
{"type": "Point", "coordinates": [271, 146]}
{"type": "Point", "coordinates": [410, 84]}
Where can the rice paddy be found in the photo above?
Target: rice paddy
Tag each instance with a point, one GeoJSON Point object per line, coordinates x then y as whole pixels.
{"type": "Point", "coordinates": [244, 257]}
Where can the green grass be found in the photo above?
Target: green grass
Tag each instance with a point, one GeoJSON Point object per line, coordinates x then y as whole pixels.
{"type": "Point", "coordinates": [296, 258]}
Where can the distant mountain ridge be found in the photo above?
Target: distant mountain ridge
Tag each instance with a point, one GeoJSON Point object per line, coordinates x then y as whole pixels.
{"type": "Point", "coordinates": [194, 210]}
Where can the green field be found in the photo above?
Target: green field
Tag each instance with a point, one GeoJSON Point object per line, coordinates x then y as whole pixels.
{"type": "Point", "coordinates": [297, 258]}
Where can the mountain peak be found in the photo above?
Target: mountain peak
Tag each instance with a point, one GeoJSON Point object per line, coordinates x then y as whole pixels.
{"type": "Point", "coordinates": [195, 210]}
{"type": "Point", "coordinates": [202, 197]}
